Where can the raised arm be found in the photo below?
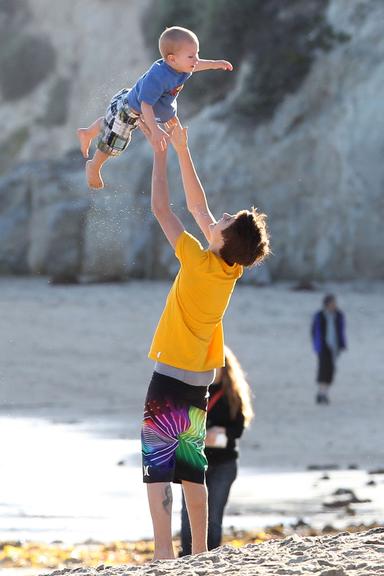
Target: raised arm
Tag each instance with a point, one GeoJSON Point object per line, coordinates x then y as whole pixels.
{"type": "Point", "coordinates": [212, 65]}
{"type": "Point", "coordinates": [194, 192]}
{"type": "Point", "coordinates": [169, 222]}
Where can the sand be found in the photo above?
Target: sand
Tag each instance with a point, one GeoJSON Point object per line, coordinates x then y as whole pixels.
{"type": "Point", "coordinates": [341, 555]}
{"type": "Point", "coordinates": [71, 353]}
{"type": "Point", "coordinates": [78, 354]}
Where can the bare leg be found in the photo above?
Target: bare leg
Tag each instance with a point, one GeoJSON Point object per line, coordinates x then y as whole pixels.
{"type": "Point", "coordinates": [93, 167]}
{"type": "Point", "coordinates": [160, 505]}
{"type": "Point", "coordinates": [86, 135]}
{"type": "Point", "coordinates": [196, 500]}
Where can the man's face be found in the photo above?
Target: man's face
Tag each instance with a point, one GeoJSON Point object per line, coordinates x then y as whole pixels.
{"type": "Point", "coordinates": [217, 227]}
{"type": "Point", "coordinates": [186, 57]}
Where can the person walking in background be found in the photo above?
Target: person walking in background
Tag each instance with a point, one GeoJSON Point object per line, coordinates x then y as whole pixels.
{"type": "Point", "coordinates": [328, 337]}
{"type": "Point", "coordinates": [229, 412]}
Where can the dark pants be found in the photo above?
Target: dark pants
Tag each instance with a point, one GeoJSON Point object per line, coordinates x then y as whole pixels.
{"type": "Point", "coordinates": [219, 478]}
{"type": "Point", "coordinates": [326, 367]}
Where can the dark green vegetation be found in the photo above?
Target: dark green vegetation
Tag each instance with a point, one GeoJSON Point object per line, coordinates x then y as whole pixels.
{"type": "Point", "coordinates": [277, 39]}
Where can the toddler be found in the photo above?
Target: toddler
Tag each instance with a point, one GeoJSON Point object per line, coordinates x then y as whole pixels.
{"type": "Point", "coordinates": [153, 96]}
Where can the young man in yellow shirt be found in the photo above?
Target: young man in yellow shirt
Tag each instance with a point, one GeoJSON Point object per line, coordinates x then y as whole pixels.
{"type": "Point", "coordinates": [188, 344]}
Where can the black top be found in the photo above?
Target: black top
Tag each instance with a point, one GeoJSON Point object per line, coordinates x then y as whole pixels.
{"type": "Point", "coordinates": [219, 416]}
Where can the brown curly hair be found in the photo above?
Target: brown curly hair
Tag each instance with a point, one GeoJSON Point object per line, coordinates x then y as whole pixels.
{"type": "Point", "coordinates": [246, 240]}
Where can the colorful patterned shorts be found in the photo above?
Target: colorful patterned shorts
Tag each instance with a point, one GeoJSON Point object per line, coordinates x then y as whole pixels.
{"type": "Point", "coordinates": [119, 122]}
{"type": "Point", "coordinates": [173, 432]}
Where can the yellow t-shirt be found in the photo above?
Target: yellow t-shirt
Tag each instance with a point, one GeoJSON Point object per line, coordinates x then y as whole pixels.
{"type": "Point", "coordinates": [190, 331]}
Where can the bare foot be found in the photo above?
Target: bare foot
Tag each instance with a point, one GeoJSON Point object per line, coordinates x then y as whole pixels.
{"type": "Point", "coordinates": [85, 141]}
{"type": "Point", "coordinates": [94, 178]}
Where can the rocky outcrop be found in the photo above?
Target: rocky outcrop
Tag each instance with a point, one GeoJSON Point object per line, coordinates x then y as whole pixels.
{"type": "Point", "coordinates": [51, 224]}
{"type": "Point", "coordinates": [42, 220]}
{"type": "Point", "coordinates": [14, 222]}
{"type": "Point", "coordinates": [315, 167]}
{"type": "Point", "coordinates": [59, 64]}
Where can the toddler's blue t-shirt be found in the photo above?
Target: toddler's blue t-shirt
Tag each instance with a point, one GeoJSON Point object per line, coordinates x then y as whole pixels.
{"type": "Point", "coordinates": [158, 87]}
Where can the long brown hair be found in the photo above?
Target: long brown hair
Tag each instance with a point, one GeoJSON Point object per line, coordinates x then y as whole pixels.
{"type": "Point", "coordinates": [236, 388]}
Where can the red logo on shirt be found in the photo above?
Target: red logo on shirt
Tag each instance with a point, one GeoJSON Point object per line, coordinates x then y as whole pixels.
{"type": "Point", "coordinates": [176, 90]}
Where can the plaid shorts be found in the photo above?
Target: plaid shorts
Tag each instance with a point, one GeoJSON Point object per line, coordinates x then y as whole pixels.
{"type": "Point", "coordinates": [173, 431]}
{"type": "Point", "coordinates": [119, 122]}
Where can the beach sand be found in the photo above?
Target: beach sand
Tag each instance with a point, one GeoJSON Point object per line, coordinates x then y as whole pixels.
{"type": "Point", "coordinates": [75, 354]}
{"type": "Point", "coordinates": [341, 555]}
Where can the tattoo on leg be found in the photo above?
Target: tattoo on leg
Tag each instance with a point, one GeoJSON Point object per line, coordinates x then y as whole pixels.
{"type": "Point", "coordinates": [167, 502]}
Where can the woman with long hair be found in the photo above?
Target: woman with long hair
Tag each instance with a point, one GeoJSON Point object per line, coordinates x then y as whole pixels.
{"type": "Point", "coordinates": [229, 412]}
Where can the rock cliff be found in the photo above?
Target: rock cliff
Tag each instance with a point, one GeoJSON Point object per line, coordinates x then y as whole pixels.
{"type": "Point", "coordinates": [314, 164]}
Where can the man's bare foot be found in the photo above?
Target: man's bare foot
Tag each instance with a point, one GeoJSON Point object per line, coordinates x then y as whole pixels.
{"type": "Point", "coordinates": [94, 178]}
{"type": "Point", "coordinates": [85, 141]}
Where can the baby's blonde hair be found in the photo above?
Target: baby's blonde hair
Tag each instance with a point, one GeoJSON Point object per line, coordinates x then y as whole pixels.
{"type": "Point", "coordinates": [172, 38]}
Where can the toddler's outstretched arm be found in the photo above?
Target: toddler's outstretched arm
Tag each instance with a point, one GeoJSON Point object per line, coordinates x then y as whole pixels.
{"type": "Point", "coordinates": [213, 65]}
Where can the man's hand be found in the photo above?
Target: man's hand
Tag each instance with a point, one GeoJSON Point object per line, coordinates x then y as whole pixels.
{"type": "Point", "coordinates": [160, 143]}
{"type": "Point", "coordinates": [179, 137]}
{"type": "Point", "coordinates": [159, 139]}
{"type": "Point", "coordinates": [224, 65]}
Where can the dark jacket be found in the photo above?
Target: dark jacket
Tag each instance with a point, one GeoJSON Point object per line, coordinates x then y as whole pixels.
{"type": "Point", "coordinates": [319, 328]}
{"type": "Point", "coordinates": [219, 416]}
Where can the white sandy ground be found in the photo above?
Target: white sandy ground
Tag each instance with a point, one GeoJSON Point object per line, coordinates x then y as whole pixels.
{"type": "Point", "coordinates": [341, 555]}
{"type": "Point", "coordinates": [77, 354]}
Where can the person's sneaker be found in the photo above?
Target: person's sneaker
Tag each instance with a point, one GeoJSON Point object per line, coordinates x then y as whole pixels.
{"type": "Point", "coordinates": [322, 399]}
